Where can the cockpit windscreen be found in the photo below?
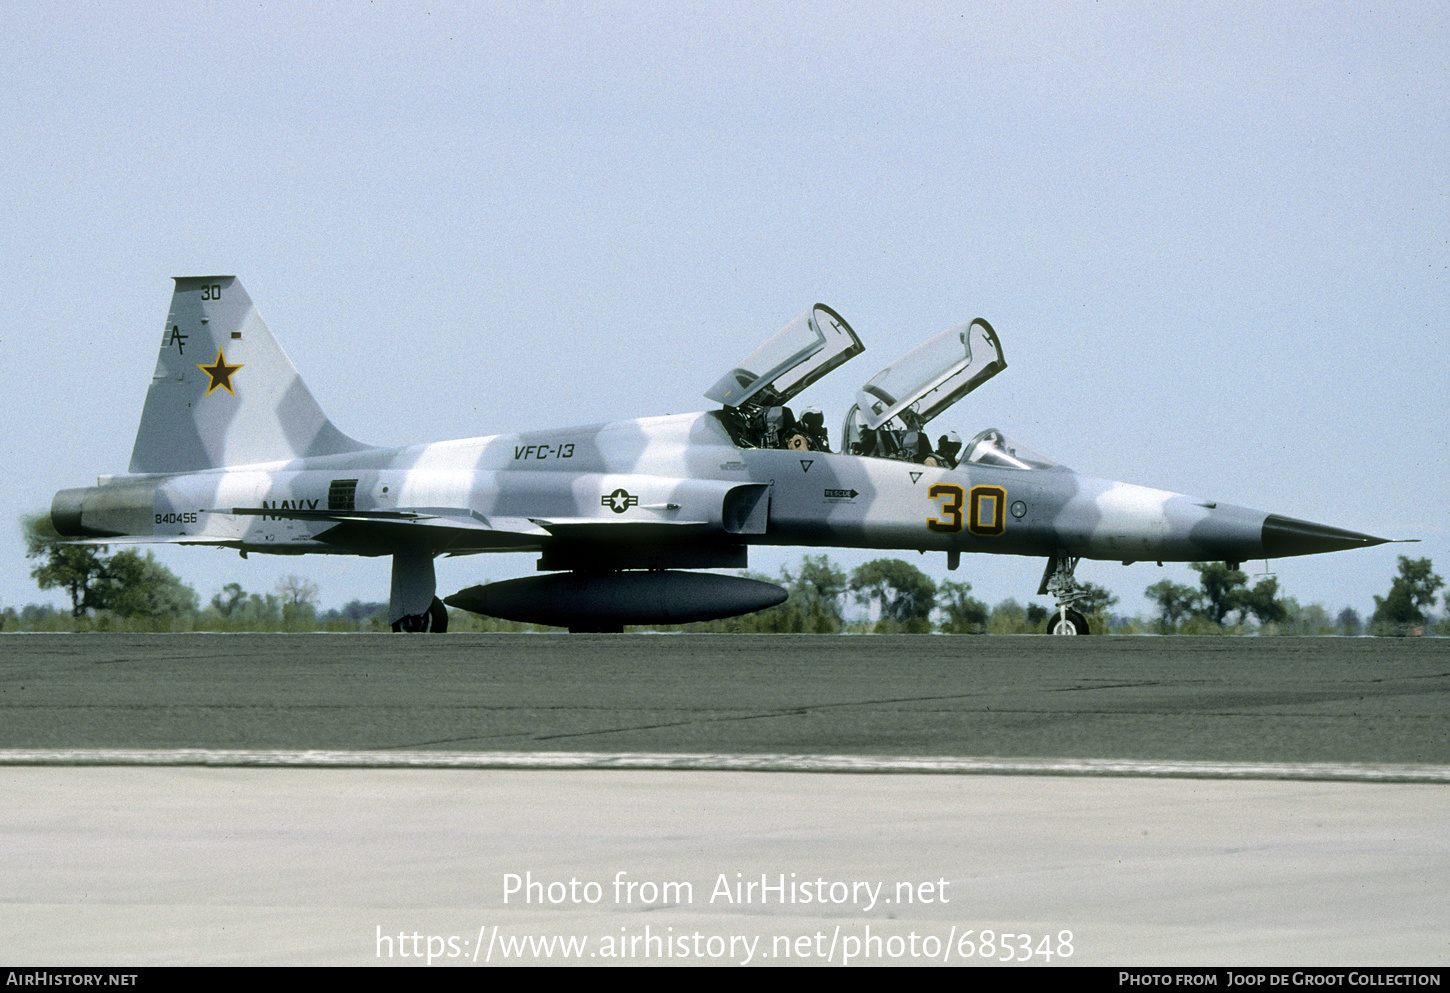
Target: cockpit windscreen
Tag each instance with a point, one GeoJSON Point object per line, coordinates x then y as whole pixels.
{"type": "Point", "coordinates": [992, 447]}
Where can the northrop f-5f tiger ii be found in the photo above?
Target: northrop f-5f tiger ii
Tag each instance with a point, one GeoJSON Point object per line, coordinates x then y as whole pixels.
{"type": "Point", "coordinates": [233, 451]}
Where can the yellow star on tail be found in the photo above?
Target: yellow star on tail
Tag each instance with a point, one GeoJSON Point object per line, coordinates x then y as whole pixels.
{"type": "Point", "coordinates": [220, 373]}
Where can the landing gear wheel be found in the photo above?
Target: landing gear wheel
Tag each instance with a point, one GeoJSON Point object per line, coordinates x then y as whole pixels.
{"type": "Point", "coordinates": [1073, 623]}
{"type": "Point", "coordinates": [435, 620]}
{"type": "Point", "coordinates": [438, 614]}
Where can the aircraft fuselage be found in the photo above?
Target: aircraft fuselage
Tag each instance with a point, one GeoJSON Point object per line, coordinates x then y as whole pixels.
{"type": "Point", "coordinates": [663, 473]}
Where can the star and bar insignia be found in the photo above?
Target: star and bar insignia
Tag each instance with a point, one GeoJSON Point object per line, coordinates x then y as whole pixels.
{"type": "Point", "coordinates": [220, 373]}
{"type": "Point", "coordinates": [619, 501]}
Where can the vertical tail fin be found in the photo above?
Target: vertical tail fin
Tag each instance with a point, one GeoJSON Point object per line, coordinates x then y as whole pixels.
{"type": "Point", "coordinates": [224, 393]}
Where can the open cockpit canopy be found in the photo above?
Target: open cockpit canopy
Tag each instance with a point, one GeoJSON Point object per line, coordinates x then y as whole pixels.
{"type": "Point", "coordinates": [892, 410]}
{"type": "Point", "coordinates": [930, 378]}
{"type": "Point", "coordinates": [805, 350]}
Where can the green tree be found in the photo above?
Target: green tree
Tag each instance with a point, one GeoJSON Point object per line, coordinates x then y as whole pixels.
{"type": "Point", "coordinates": [357, 611]}
{"type": "Point", "coordinates": [1348, 623]}
{"type": "Point", "coordinates": [1093, 606]}
{"type": "Point", "coordinates": [965, 614]}
{"type": "Point", "coordinates": [1410, 592]}
{"type": "Point", "coordinates": [259, 610]}
{"type": "Point", "coordinates": [1223, 588]}
{"type": "Point", "coordinates": [1175, 602]}
{"type": "Point", "coordinates": [906, 594]}
{"type": "Point", "coordinates": [235, 609]}
{"type": "Point", "coordinates": [1263, 602]}
{"type": "Point", "coordinates": [1008, 617]}
{"type": "Point", "coordinates": [229, 600]}
{"type": "Point", "coordinates": [299, 599]}
{"type": "Point", "coordinates": [136, 585]}
{"type": "Point", "coordinates": [77, 569]}
{"type": "Point", "coordinates": [1308, 619]}
{"type": "Point", "coordinates": [127, 584]}
{"type": "Point", "coordinates": [1095, 600]}
{"type": "Point", "coordinates": [816, 591]}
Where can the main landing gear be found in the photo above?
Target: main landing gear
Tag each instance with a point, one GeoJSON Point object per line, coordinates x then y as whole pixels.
{"type": "Point", "coordinates": [1057, 580]}
{"type": "Point", "coordinates": [413, 605]}
{"type": "Point", "coordinates": [434, 619]}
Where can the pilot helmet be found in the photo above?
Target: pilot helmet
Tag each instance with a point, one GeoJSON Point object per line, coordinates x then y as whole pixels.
{"type": "Point", "coordinates": [949, 444]}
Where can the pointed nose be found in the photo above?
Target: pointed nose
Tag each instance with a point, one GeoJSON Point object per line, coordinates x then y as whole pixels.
{"type": "Point", "coordinates": [1287, 536]}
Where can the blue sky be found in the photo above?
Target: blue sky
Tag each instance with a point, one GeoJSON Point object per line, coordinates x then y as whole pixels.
{"type": "Point", "coordinates": [1213, 238]}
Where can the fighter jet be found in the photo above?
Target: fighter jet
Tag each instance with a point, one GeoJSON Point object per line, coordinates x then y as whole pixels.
{"type": "Point", "coordinates": [234, 451]}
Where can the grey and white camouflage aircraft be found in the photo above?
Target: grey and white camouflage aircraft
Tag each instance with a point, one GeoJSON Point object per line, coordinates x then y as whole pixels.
{"type": "Point", "coordinates": [234, 451]}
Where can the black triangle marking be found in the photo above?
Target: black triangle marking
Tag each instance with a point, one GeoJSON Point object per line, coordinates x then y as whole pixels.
{"type": "Point", "coordinates": [806, 464]}
{"type": "Point", "coordinates": [915, 476]}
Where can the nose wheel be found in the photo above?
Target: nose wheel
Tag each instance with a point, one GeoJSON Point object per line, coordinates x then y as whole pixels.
{"type": "Point", "coordinates": [1067, 622]}
{"type": "Point", "coordinates": [1058, 581]}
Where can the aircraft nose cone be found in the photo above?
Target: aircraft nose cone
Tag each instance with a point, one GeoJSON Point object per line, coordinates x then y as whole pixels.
{"type": "Point", "coordinates": [1286, 536]}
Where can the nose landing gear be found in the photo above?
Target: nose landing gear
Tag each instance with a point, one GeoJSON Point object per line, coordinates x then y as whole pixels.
{"type": "Point", "coordinates": [1066, 622]}
{"type": "Point", "coordinates": [1058, 581]}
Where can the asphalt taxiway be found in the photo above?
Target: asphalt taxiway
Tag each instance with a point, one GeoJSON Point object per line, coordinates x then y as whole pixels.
{"type": "Point", "coordinates": [1284, 699]}
{"type": "Point", "coordinates": [206, 859]}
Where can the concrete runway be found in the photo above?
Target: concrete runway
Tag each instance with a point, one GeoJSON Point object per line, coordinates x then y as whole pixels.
{"type": "Point", "coordinates": [118, 865]}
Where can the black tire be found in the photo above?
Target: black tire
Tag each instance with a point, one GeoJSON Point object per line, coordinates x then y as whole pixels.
{"type": "Point", "coordinates": [435, 621]}
{"type": "Point", "coordinates": [1075, 623]}
{"type": "Point", "coordinates": [438, 617]}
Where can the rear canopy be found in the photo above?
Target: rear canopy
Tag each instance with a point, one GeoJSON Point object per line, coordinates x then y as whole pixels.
{"type": "Point", "coordinates": [812, 345]}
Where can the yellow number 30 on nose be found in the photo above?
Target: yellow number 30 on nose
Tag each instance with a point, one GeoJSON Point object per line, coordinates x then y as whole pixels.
{"type": "Point", "coordinates": [986, 509]}
{"type": "Point", "coordinates": [950, 519]}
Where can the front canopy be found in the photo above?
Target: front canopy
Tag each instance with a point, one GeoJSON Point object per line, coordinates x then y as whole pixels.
{"type": "Point", "coordinates": [992, 447]}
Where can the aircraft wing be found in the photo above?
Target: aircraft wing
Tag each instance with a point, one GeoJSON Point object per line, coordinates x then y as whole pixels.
{"type": "Point", "coordinates": [454, 530]}
{"type": "Point", "coordinates": [460, 531]}
{"type": "Point", "coordinates": [559, 526]}
{"type": "Point", "coordinates": [448, 533]}
{"type": "Point", "coordinates": [602, 531]}
{"type": "Point", "coordinates": [163, 539]}
{"type": "Point", "coordinates": [452, 517]}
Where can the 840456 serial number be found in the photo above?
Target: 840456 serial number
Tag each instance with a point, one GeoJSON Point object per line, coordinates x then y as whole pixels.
{"type": "Point", "coordinates": [187, 518]}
